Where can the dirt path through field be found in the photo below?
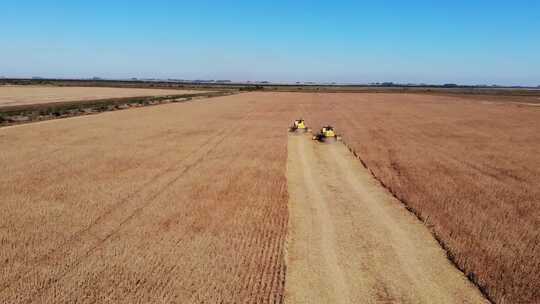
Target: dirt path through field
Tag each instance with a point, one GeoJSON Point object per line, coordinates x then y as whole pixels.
{"type": "Point", "coordinates": [350, 241]}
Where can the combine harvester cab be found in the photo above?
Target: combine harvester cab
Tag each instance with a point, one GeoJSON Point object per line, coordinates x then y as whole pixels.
{"type": "Point", "coordinates": [326, 132]}
{"type": "Point", "coordinates": [299, 125]}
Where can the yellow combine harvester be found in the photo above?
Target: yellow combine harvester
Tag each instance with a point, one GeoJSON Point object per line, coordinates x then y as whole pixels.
{"type": "Point", "coordinates": [326, 132]}
{"type": "Point", "coordinates": [300, 125]}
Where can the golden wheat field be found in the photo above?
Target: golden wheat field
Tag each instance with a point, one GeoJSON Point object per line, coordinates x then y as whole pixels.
{"type": "Point", "coordinates": [26, 95]}
{"type": "Point", "coordinates": [187, 203]}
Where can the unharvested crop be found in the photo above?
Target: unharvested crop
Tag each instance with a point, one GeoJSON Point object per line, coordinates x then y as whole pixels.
{"type": "Point", "coordinates": [181, 203]}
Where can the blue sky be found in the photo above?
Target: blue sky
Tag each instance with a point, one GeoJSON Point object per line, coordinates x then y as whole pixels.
{"type": "Point", "coordinates": [469, 42]}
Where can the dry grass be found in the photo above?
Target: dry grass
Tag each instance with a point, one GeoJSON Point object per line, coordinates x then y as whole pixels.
{"type": "Point", "coordinates": [26, 95]}
{"type": "Point", "coordinates": [175, 203]}
{"type": "Point", "coordinates": [469, 168]}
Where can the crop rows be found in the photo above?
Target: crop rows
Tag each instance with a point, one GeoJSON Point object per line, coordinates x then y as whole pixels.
{"type": "Point", "coordinates": [186, 205]}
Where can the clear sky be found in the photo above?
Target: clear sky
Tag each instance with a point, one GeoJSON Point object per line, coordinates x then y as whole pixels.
{"type": "Point", "coordinates": [469, 42]}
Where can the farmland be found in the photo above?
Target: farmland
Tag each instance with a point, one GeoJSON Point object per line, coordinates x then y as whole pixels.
{"type": "Point", "coordinates": [350, 241]}
{"type": "Point", "coordinates": [25, 104]}
{"type": "Point", "coordinates": [468, 167]}
{"type": "Point", "coordinates": [188, 203]}
{"type": "Point", "coordinates": [159, 204]}
{"type": "Point", "coordinates": [27, 95]}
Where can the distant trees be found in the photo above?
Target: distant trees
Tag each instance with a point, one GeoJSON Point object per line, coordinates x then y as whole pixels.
{"type": "Point", "coordinates": [252, 88]}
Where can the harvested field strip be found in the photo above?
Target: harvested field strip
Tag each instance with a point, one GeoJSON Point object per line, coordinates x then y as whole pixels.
{"type": "Point", "coordinates": [148, 217]}
{"type": "Point", "coordinates": [25, 95]}
{"type": "Point", "coordinates": [352, 242]}
{"type": "Point", "coordinates": [14, 115]}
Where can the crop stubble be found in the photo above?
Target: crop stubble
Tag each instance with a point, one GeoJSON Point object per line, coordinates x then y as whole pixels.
{"type": "Point", "coordinates": [26, 95]}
